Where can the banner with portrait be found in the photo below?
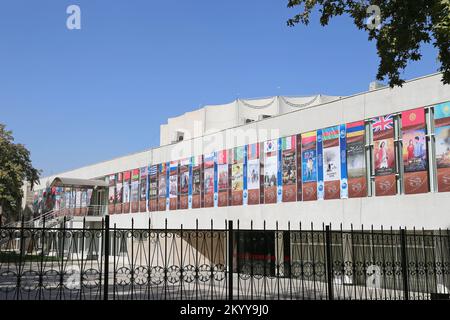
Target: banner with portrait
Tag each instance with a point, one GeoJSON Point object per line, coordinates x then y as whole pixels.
{"type": "Point", "coordinates": [162, 186]}
{"type": "Point", "coordinates": [126, 198]}
{"type": "Point", "coordinates": [119, 193]}
{"type": "Point", "coordinates": [143, 189]}
{"type": "Point", "coordinates": [184, 183]}
{"type": "Point", "coordinates": [237, 176]}
{"type": "Point", "coordinates": [384, 155]}
{"type": "Point", "coordinates": [196, 182]}
{"type": "Point", "coordinates": [442, 138]}
{"type": "Point", "coordinates": [289, 168]}
{"type": "Point", "coordinates": [356, 160]}
{"type": "Point", "coordinates": [415, 160]}
{"type": "Point", "coordinates": [111, 193]}
{"type": "Point", "coordinates": [173, 185]}
{"type": "Point", "coordinates": [208, 178]}
{"type": "Point", "coordinates": [222, 176]}
{"type": "Point", "coordinates": [270, 171]}
{"type": "Point", "coordinates": [309, 166]}
{"type": "Point", "coordinates": [253, 173]}
{"type": "Point", "coordinates": [153, 188]}
{"type": "Point", "coordinates": [134, 194]}
{"type": "Point", "coordinates": [331, 162]}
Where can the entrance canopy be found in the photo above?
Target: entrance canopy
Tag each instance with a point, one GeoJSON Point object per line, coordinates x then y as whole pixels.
{"type": "Point", "coordinates": [78, 183]}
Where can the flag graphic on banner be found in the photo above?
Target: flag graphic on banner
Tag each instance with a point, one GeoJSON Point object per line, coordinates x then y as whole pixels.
{"type": "Point", "coordinates": [383, 123]}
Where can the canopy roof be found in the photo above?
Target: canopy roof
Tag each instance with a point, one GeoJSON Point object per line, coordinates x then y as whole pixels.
{"type": "Point", "coordinates": [77, 183]}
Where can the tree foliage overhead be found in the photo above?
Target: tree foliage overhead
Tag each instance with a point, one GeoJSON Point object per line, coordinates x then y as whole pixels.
{"type": "Point", "coordinates": [15, 168]}
{"type": "Point", "coordinates": [405, 26]}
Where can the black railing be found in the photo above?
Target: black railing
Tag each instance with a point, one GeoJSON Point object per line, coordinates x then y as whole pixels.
{"type": "Point", "coordinates": [223, 263]}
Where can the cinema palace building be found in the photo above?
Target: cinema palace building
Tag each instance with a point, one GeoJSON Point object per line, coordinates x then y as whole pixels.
{"type": "Point", "coordinates": [378, 158]}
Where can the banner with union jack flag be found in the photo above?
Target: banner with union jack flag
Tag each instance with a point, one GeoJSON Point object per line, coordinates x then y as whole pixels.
{"type": "Point", "coordinates": [383, 126]}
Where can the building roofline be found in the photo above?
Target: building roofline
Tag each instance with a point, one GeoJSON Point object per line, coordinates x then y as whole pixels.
{"type": "Point", "coordinates": [341, 98]}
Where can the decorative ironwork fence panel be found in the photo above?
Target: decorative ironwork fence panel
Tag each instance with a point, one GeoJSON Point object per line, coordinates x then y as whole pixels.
{"type": "Point", "coordinates": [217, 264]}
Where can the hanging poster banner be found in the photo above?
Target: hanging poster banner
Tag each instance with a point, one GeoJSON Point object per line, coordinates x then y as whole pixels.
{"type": "Point", "coordinates": [111, 193]}
{"type": "Point", "coordinates": [119, 193]}
{"type": "Point", "coordinates": [298, 161]}
{"type": "Point", "coordinates": [415, 162]}
{"type": "Point", "coordinates": [222, 173]}
{"type": "Point", "coordinates": [320, 184]}
{"type": "Point", "coordinates": [84, 202]}
{"type": "Point", "coordinates": [173, 185]}
{"type": "Point", "coordinates": [162, 186]}
{"type": "Point", "coordinates": [196, 182]}
{"type": "Point", "coordinates": [270, 171]}
{"type": "Point", "coordinates": [68, 196]}
{"type": "Point", "coordinates": [134, 195]}
{"type": "Point", "coordinates": [237, 176]}
{"type": "Point", "coordinates": [289, 173]}
{"type": "Point", "coordinates": [143, 189]}
{"type": "Point", "coordinates": [442, 136]}
{"type": "Point", "coordinates": [209, 180]}
{"type": "Point", "coordinates": [356, 160]}
{"type": "Point", "coordinates": [343, 152]}
{"type": "Point", "coordinates": [331, 156]}
{"type": "Point", "coordinates": [309, 166]}
{"type": "Point", "coordinates": [153, 188]}
{"type": "Point", "coordinates": [244, 177]}
{"type": "Point", "coordinates": [183, 201]}
{"type": "Point", "coordinates": [253, 173]}
{"type": "Point", "coordinates": [126, 192]}
{"type": "Point", "coordinates": [384, 155]}
{"type": "Point", "coordinates": [78, 202]}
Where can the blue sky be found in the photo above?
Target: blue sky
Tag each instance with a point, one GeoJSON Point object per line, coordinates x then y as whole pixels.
{"type": "Point", "coordinates": [76, 97]}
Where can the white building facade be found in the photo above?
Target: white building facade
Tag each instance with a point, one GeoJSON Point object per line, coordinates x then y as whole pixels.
{"type": "Point", "coordinates": [376, 158]}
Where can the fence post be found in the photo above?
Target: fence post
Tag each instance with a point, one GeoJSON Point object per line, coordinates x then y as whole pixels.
{"type": "Point", "coordinates": [329, 263]}
{"type": "Point", "coordinates": [404, 264]}
{"type": "Point", "coordinates": [230, 260]}
{"type": "Point", "coordinates": [106, 252]}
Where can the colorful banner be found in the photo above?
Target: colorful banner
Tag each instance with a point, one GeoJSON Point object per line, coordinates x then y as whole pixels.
{"type": "Point", "coordinates": [153, 188]}
{"type": "Point", "coordinates": [119, 193]}
{"type": "Point", "coordinates": [237, 176]}
{"type": "Point", "coordinates": [356, 160]}
{"type": "Point", "coordinates": [289, 172]}
{"type": "Point", "coordinates": [196, 182]}
{"type": "Point", "coordinates": [185, 166]}
{"type": "Point", "coordinates": [126, 192]}
{"type": "Point", "coordinates": [331, 157]}
{"type": "Point", "coordinates": [173, 185]}
{"type": "Point", "coordinates": [162, 186]}
{"type": "Point", "coordinates": [270, 171]}
{"type": "Point", "coordinates": [143, 189]}
{"type": "Point", "coordinates": [253, 173]}
{"type": "Point", "coordinates": [134, 194]}
{"type": "Point", "coordinates": [384, 155]}
{"type": "Point", "coordinates": [320, 184]}
{"type": "Point", "coordinates": [344, 173]}
{"type": "Point", "coordinates": [111, 193]}
{"type": "Point", "coordinates": [209, 182]}
{"type": "Point", "coordinates": [442, 138]}
{"type": "Point", "coordinates": [309, 166]}
{"type": "Point", "coordinates": [222, 174]}
{"type": "Point", "coordinates": [415, 162]}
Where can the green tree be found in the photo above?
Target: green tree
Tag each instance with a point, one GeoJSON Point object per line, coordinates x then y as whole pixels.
{"type": "Point", "coordinates": [15, 169]}
{"type": "Point", "coordinates": [404, 26]}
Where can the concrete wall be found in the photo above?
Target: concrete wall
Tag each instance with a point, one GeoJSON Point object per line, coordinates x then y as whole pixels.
{"type": "Point", "coordinates": [430, 210]}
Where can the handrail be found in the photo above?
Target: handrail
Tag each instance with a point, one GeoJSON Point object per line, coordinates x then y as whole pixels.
{"type": "Point", "coordinates": [69, 213]}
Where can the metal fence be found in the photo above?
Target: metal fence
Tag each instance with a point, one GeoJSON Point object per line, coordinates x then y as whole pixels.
{"type": "Point", "coordinates": [223, 263]}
